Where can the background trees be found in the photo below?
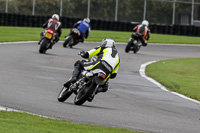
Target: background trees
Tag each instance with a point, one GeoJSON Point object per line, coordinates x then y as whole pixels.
{"type": "Point", "coordinates": [158, 12]}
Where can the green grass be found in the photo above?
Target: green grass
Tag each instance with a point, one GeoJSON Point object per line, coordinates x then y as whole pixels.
{"type": "Point", "coordinates": [179, 75]}
{"type": "Point", "coordinates": [16, 122]}
{"type": "Point", "coordinates": [11, 34]}
{"type": "Point", "coordinates": [174, 39]}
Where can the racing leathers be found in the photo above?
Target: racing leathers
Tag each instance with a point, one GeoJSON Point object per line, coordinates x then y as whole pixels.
{"type": "Point", "coordinates": [107, 60]}
{"type": "Point", "coordinates": [84, 29]}
{"type": "Point", "coordinates": [54, 25]}
{"type": "Point", "coordinates": [144, 31]}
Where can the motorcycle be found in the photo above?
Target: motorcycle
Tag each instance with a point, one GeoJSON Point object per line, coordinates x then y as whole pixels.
{"type": "Point", "coordinates": [73, 38]}
{"type": "Point", "coordinates": [134, 43]}
{"type": "Point", "coordinates": [84, 88]}
{"type": "Point", "coordinates": [47, 40]}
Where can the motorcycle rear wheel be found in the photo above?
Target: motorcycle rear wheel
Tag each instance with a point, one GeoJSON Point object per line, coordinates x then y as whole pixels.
{"type": "Point", "coordinates": [128, 46]}
{"type": "Point", "coordinates": [66, 43]}
{"type": "Point", "coordinates": [64, 94]}
{"type": "Point", "coordinates": [85, 93]}
{"type": "Point", "coordinates": [43, 46]}
{"type": "Point", "coordinates": [136, 48]}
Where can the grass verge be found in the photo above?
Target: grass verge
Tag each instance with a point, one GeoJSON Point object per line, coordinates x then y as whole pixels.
{"type": "Point", "coordinates": [11, 34]}
{"type": "Point", "coordinates": [17, 122]}
{"type": "Point", "coordinates": [179, 75]}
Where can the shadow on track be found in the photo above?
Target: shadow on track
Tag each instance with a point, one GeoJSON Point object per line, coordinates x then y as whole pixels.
{"type": "Point", "coordinates": [88, 106]}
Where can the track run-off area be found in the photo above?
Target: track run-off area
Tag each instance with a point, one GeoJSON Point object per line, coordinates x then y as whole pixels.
{"type": "Point", "coordinates": [31, 81]}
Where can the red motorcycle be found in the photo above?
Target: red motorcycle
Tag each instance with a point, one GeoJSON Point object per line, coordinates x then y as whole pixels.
{"type": "Point", "coordinates": [47, 40]}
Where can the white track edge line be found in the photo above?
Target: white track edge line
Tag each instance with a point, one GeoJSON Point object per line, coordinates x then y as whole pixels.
{"type": "Point", "coordinates": [142, 73]}
{"type": "Point", "coordinates": [11, 109]}
{"type": "Point", "coordinates": [100, 42]}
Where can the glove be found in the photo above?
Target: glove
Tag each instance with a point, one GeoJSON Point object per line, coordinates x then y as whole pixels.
{"type": "Point", "coordinates": [82, 53]}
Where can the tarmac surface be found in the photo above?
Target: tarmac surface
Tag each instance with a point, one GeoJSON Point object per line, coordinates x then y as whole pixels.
{"type": "Point", "coordinates": [31, 81]}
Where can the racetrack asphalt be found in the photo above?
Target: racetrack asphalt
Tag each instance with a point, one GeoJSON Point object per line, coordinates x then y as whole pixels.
{"type": "Point", "coordinates": [31, 81]}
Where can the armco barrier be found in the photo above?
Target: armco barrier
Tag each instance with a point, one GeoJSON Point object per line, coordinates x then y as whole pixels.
{"type": "Point", "coordinates": [8, 19]}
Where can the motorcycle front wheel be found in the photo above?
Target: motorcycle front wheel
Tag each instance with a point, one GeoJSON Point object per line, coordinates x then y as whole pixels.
{"type": "Point", "coordinates": [43, 46]}
{"type": "Point", "coordinates": [64, 94]}
{"type": "Point", "coordinates": [84, 93]}
{"type": "Point", "coordinates": [67, 41]}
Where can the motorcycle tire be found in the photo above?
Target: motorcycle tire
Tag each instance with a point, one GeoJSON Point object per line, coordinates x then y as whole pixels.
{"type": "Point", "coordinates": [43, 46]}
{"type": "Point", "coordinates": [73, 44]}
{"type": "Point", "coordinates": [136, 49]}
{"type": "Point", "coordinates": [66, 42]}
{"type": "Point", "coordinates": [64, 94]}
{"type": "Point", "coordinates": [85, 93]}
{"type": "Point", "coordinates": [128, 46]}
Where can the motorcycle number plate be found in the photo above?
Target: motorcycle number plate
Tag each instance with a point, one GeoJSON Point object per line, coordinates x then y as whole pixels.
{"type": "Point", "coordinates": [48, 35]}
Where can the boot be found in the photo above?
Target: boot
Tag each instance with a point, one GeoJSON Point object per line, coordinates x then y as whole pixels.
{"type": "Point", "coordinates": [41, 37]}
{"type": "Point", "coordinates": [102, 88]}
{"type": "Point", "coordinates": [70, 81]}
{"type": "Point", "coordinates": [39, 42]}
{"type": "Point", "coordinates": [76, 73]}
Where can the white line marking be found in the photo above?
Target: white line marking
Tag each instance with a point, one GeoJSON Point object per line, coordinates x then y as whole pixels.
{"type": "Point", "coordinates": [142, 73]}
{"type": "Point", "coordinates": [122, 43]}
{"type": "Point", "coordinates": [18, 42]}
{"type": "Point", "coordinates": [8, 109]}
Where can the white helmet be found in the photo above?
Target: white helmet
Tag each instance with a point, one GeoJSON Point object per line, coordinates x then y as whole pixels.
{"type": "Point", "coordinates": [87, 20]}
{"type": "Point", "coordinates": [145, 22]}
{"type": "Point", "coordinates": [55, 16]}
{"type": "Point", "coordinates": [108, 42]}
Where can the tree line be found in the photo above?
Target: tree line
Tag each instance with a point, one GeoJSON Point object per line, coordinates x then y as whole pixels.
{"type": "Point", "coordinates": [128, 10]}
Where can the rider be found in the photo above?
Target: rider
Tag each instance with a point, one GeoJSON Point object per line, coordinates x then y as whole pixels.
{"type": "Point", "coordinates": [84, 27]}
{"type": "Point", "coordinates": [107, 60]}
{"type": "Point", "coordinates": [53, 24]}
{"type": "Point", "coordinates": [144, 30]}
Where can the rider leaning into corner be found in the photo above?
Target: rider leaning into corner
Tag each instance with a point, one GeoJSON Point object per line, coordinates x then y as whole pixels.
{"type": "Point", "coordinates": [144, 30]}
{"type": "Point", "coordinates": [107, 60]}
{"type": "Point", "coordinates": [53, 24]}
{"type": "Point", "coordinates": [84, 27]}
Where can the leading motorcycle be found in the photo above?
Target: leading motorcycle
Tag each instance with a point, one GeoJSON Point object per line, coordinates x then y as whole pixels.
{"type": "Point", "coordinates": [84, 88]}
{"type": "Point", "coordinates": [134, 43]}
{"type": "Point", "coordinates": [47, 40]}
{"type": "Point", "coordinates": [73, 38]}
